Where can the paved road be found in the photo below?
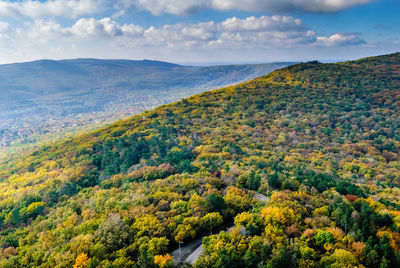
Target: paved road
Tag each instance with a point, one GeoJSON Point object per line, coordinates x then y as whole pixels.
{"type": "Point", "coordinates": [191, 251]}
{"type": "Point", "coordinates": [187, 250]}
{"type": "Point", "coordinates": [195, 255]}
{"type": "Point", "coordinates": [261, 197]}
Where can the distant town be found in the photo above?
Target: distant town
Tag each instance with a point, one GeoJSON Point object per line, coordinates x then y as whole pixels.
{"type": "Point", "coordinates": [24, 132]}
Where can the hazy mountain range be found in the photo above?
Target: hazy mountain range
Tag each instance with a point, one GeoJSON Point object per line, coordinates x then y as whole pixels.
{"type": "Point", "coordinates": [50, 96]}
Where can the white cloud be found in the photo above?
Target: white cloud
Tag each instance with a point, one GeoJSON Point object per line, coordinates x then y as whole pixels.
{"type": "Point", "coordinates": [274, 23]}
{"type": "Point", "coordinates": [81, 30]}
{"type": "Point", "coordinates": [56, 8]}
{"type": "Point", "coordinates": [231, 39]}
{"type": "Point", "coordinates": [313, 6]}
{"type": "Point", "coordinates": [181, 35]}
{"type": "Point", "coordinates": [4, 26]}
{"type": "Point", "coordinates": [281, 31]}
{"type": "Point", "coordinates": [261, 32]}
{"type": "Point", "coordinates": [40, 32]}
{"type": "Point", "coordinates": [77, 8]}
{"type": "Point", "coordinates": [132, 30]}
{"type": "Point", "coordinates": [179, 7]}
{"type": "Point", "coordinates": [176, 7]}
{"type": "Point", "coordinates": [92, 27]}
{"type": "Point", "coordinates": [339, 39]}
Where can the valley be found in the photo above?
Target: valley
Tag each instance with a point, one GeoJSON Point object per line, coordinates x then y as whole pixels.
{"type": "Point", "coordinates": [47, 100]}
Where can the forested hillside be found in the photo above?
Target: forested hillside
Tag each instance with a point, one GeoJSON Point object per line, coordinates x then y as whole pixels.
{"type": "Point", "coordinates": [320, 140]}
{"type": "Point", "coordinates": [48, 99]}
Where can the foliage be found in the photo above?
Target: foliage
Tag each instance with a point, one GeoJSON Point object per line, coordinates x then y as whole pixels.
{"type": "Point", "coordinates": [319, 141]}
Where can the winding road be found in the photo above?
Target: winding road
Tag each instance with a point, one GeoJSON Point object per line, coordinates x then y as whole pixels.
{"type": "Point", "coordinates": [191, 251]}
{"type": "Point", "coordinates": [261, 197]}
{"type": "Point", "coordinates": [195, 255]}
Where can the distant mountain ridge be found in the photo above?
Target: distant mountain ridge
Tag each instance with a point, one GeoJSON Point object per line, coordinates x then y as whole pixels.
{"type": "Point", "coordinates": [47, 96]}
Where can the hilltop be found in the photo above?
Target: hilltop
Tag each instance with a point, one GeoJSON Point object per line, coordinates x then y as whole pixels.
{"type": "Point", "coordinates": [321, 141]}
{"type": "Point", "coordinates": [46, 99]}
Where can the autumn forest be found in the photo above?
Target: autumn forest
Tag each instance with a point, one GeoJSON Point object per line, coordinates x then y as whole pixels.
{"type": "Point", "coordinates": [318, 142]}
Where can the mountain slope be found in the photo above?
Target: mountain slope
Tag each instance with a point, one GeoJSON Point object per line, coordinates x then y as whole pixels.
{"type": "Point", "coordinates": [322, 140]}
{"type": "Point", "coordinates": [46, 97]}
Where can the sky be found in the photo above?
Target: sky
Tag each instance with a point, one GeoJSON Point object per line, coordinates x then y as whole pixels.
{"type": "Point", "coordinates": [198, 32]}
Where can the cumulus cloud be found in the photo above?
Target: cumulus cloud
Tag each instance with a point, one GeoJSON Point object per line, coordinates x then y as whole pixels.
{"type": "Point", "coordinates": [232, 32]}
{"type": "Point", "coordinates": [40, 32]}
{"type": "Point", "coordinates": [273, 23]}
{"type": "Point", "coordinates": [181, 35]}
{"type": "Point", "coordinates": [77, 8]}
{"type": "Point", "coordinates": [176, 7]}
{"type": "Point", "coordinates": [232, 38]}
{"type": "Point", "coordinates": [261, 32]}
{"type": "Point", "coordinates": [83, 29]}
{"type": "Point", "coordinates": [56, 8]}
{"type": "Point", "coordinates": [93, 27]}
{"type": "Point", "coordinates": [339, 39]}
{"type": "Point", "coordinates": [313, 6]}
{"type": "Point", "coordinates": [179, 7]}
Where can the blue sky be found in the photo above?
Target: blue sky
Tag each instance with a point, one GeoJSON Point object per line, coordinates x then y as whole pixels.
{"type": "Point", "coordinates": [199, 31]}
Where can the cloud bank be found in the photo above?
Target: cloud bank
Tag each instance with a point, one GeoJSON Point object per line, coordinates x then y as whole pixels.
{"type": "Point", "coordinates": [35, 29]}
{"type": "Point", "coordinates": [55, 8]}
{"type": "Point", "coordinates": [180, 7]}
{"type": "Point", "coordinates": [264, 31]}
{"type": "Point", "coordinates": [76, 8]}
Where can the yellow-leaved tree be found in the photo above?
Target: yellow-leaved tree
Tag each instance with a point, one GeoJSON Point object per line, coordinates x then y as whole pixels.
{"type": "Point", "coordinates": [81, 261]}
{"type": "Point", "coordinates": [163, 260]}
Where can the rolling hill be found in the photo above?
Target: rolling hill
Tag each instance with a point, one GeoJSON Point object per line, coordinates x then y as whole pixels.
{"type": "Point", "coordinates": [43, 98]}
{"type": "Point", "coordinates": [321, 141]}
